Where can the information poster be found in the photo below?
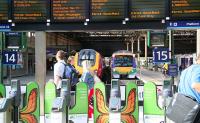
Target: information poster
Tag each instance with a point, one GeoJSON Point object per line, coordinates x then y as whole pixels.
{"type": "Point", "coordinates": [68, 10]}
{"type": "Point", "coordinates": [106, 10]}
{"type": "Point", "coordinates": [3, 10]}
{"type": "Point", "coordinates": [147, 9]}
{"type": "Point", "coordinates": [30, 10]}
{"type": "Point", "coordinates": [186, 9]}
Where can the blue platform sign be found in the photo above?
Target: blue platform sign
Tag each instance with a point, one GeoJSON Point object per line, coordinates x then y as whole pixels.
{"type": "Point", "coordinates": [160, 55]}
{"type": "Point", "coordinates": [10, 57]}
{"type": "Point", "coordinates": [5, 27]}
{"type": "Point", "coordinates": [184, 24]}
{"type": "Point", "coordinates": [173, 70]}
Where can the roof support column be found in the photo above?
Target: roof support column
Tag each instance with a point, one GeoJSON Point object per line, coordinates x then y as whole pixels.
{"type": "Point", "coordinates": [40, 65]}
{"type": "Point", "coordinates": [198, 41]}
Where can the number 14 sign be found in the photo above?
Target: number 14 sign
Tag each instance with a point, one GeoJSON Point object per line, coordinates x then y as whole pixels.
{"type": "Point", "coordinates": [160, 55]}
{"type": "Point", "coordinates": [10, 57]}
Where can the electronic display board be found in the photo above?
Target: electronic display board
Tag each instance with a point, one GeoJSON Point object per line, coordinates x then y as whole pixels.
{"type": "Point", "coordinates": [185, 9]}
{"type": "Point", "coordinates": [30, 10]}
{"type": "Point", "coordinates": [107, 10]}
{"type": "Point", "coordinates": [3, 10]}
{"type": "Point", "coordinates": [68, 10]}
{"type": "Point", "coordinates": [147, 9]}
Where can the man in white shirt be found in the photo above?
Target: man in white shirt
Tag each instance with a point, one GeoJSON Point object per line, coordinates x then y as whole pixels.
{"type": "Point", "coordinates": [59, 68]}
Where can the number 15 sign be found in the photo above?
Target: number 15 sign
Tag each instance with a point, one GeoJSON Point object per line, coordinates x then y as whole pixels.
{"type": "Point", "coordinates": [160, 55]}
{"type": "Point", "coordinates": [9, 57]}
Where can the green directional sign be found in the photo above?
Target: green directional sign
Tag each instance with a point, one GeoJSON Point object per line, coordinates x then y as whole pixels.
{"type": "Point", "coordinates": [30, 113]}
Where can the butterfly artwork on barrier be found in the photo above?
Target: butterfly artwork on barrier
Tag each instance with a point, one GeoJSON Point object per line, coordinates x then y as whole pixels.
{"type": "Point", "coordinates": [126, 114]}
{"type": "Point", "coordinates": [26, 113]}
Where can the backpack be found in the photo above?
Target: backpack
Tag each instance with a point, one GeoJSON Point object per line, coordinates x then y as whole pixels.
{"type": "Point", "coordinates": [70, 73]}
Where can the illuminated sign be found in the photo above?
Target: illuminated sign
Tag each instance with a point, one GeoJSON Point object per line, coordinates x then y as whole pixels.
{"type": "Point", "coordinates": [185, 9]}
{"type": "Point", "coordinates": [147, 9]}
{"type": "Point", "coordinates": [66, 10]}
{"type": "Point", "coordinates": [29, 10]}
{"type": "Point", "coordinates": [3, 10]}
{"type": "Point", "coordinates": [106, 10]}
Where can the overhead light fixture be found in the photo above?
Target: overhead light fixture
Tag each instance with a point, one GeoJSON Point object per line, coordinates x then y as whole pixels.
{"type": "Point", "coordinates": [123, 22]}
{"type": "Point", "coordinates": [48, 20]}
{"type": "Point", "coordinates": [126, 19]}
{"type": "Point", "coordinates": [13, 24]}
{"type": "Point", "coordinates": [87, 20]}
{"type": "Point", "coordinates": [85, 23]}
{"type": "Point", "coordinates": [10, 21]}
{"type": "Point", "coordinates": [163, 21]}
{"type": "Point", "coordinates": [167, 18]}
{"type": "Point", "coordinates": [48, 24]}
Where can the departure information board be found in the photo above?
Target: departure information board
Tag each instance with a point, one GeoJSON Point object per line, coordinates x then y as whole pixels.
{"type": "Point", "coordinates": [185, 9]}
{"type": "Point", "coordinates": [106, 10]}
{"type": "Point", "coordinates": [3, 10]}
{"type": "Point", "coordinates": [30, 10]}
{"type": "Point", "coordinates": [147, 9]}
{"type": "Point", "coordinates": [68, 10]}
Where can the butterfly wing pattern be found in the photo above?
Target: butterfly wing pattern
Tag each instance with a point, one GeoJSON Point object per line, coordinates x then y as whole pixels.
{"type": "Point", "coordinates": [29, 112]}
{"type": "Point", "coordinates": [101, 107]}
{"type": "Point", "coordinates": [128, 113]}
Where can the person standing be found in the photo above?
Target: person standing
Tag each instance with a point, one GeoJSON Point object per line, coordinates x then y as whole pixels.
{"type": "Point", "coordinates": [61, 70]}
{"type": "Point", "coordinates": [190, 81]}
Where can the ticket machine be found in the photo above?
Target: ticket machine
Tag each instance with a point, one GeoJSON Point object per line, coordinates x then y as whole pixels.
{"type": "Point", "coordinates": [11, 102]}
{"type": "Point", "coordinates": [60, 105]}
{"type": "Point", "coordinates": [115, 102]}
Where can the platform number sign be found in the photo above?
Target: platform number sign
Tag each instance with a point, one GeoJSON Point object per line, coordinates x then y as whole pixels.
{"type": "Point", "coordinates": [10, 57]}
{"type": "Point", "coordinates": [160, 55]}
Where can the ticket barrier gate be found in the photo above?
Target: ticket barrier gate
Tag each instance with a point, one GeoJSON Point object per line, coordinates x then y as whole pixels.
{"type": "Point", "coordinates": [59, 112]}
{"type": "Point", "coordinates": [115, 102]}
{"type": "Point", "coordinates": [129, 113]}
{"type": "Point", "coordinates": [11, 103]}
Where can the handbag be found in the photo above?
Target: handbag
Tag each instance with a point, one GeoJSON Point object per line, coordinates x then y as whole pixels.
{"type": "Point", "coordinates": [182, 109]}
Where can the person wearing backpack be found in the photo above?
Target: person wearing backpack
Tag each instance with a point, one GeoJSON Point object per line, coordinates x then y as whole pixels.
{"type": "Point", "coordinates": [73, 72]}
{"type": "Point", "coordinates": [61, 70]}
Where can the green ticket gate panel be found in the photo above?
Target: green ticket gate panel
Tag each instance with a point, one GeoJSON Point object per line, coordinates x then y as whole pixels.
{"type": "Point", "coordinates": [79, 112]}
{"type": "Point", "coordinates": [129, 113]}
{"type": "Point", "coordinates": [2, 91]}
{"type": "Point", "coordinates": [30, 113]}
{"type": "Point", "coordinates": [152, 112]}
{"type": "Point", "coordinates": [3, 116]}
{"type": "Point", "coordinates": [50, 95]}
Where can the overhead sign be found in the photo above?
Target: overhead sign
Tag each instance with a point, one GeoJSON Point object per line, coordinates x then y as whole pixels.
{"type": "Point", "coordinates": [184, 24]}
{"type": "Point", "coordinates": [68, 10]}
{"type": "Point", "coordinates": [30, 10]}
{"type": "Point", "coordinates": [185, 9]}
{"type": "Point", "coordinates": [10, 57]}
{"type": "Point", "coordinates": [148, 9]}
{"type": "Point", "coordinates": [173, 70]}
{"type": "Point", "coordinates": [105, 10]}
{"type": "Point", "coordinates": [160, 55]}
{"type": "Point", "coordinates": [4, 10]}
{"type": "Point", "coordinates": [4, 27]}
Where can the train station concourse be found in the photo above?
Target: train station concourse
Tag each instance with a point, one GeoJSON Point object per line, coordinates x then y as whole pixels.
{"type": "Point", "coordinates": [99, 61]}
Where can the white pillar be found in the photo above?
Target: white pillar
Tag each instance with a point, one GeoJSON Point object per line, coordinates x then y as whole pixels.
{"type": "Point", "coordinates": [40, 65]}
{"type": "Point", "coordinates": [127, 46]}
{"type": "Point", "coordinates": [132, 42]}
{"type": "Point", "coordinates": [145, 47]}
{"type": "Point", "coordinates": [198, 41]}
